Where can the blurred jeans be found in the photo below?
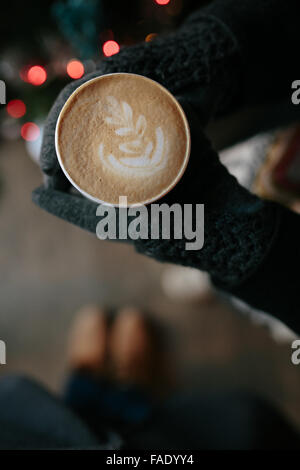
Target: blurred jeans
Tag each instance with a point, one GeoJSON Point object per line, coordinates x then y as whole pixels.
{"type": "Point", "coordinates": [32, 418]}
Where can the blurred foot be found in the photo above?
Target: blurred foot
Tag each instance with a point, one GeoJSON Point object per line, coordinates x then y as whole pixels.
{"type": "Point", "coordinates": [88, 341]}
{"type": "Point", "coordinates": [133, 349]}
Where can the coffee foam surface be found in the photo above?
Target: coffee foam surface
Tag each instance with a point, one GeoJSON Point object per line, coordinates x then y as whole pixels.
{"type": "Point", "coordinates": [122, 135]}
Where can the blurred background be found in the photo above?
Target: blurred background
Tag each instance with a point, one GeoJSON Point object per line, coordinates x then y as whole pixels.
{"type": "Point", "coordinates": [50, 269]}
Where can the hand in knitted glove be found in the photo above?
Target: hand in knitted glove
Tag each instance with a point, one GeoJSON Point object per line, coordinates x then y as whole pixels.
{"type": "Point", "coordinates": [201, 60]}
{"type": "Point", "coordinates": [238, 225]}
{"type": "Point", "coordinates": [202, 56]}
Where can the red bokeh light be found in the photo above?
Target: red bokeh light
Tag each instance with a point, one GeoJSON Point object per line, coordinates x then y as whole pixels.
{"type": "Point", "coordinates": [162, 2]}
{"type": "Point", "coordinates": [16, 108]}
{"type": "Point", "coordinates": [75, 69]}
{"type": "Point", "coordinates": [110, 48]}
{"type": "Point", "coordinates": [30, 131]}
{"type": "Point", "coordinates": [36, 75]}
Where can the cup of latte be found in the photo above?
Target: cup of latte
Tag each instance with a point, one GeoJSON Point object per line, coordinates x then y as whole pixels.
{"type": "Point", "coordinates": [122, 134]}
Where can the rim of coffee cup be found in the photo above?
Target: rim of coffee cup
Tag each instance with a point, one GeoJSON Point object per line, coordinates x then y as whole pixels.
{"type": "Point", "coordinates": [178, 176]}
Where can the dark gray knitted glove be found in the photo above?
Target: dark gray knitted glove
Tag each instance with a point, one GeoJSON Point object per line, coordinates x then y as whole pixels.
{"type": "Point", "coordinates": [201, 62]}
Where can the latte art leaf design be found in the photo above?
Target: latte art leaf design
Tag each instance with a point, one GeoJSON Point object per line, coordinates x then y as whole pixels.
{"type": "Point", "coordinates": [141, 125]}
{"type": "Point", "coordinates": [143, 155]}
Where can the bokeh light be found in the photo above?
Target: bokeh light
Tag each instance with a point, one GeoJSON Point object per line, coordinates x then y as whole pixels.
{"type": "Point", "coordinates": [16, 108]}
{"type": "Point", "coordinates": [30, 131]}
{"type": "Point", "coordinates": [162, 2]}
{"type": "Point", "coordinates": [150, 37]}
{"type": "Point", "coordinates": [36, 75]}
{"type": "Point", "coordinates": [75, 69]}
{"type": "Point", "coordinates": [110, 48]}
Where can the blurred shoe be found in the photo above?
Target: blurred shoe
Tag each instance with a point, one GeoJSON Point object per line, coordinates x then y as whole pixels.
{"type": "Point", "coordinates": [88, 340]}
{"type": "Point", "coordinates": [134, 350]}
